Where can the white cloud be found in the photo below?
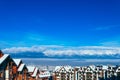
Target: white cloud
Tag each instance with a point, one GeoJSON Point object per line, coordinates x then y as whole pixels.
{"type": "Point", "coordinates": [55, 50]}
{"type": "Point", "coordinates": [23, 49]}
{"type": "Point", "coordinates": [83, 51]}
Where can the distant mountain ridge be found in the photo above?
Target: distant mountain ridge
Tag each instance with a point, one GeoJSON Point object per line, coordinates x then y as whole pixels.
{"type": "Point", "coordinates": [42, 55]}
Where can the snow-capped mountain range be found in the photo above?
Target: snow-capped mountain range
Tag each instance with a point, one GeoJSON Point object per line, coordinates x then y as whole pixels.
{"type": "Point", "coordinates": [63, 52]}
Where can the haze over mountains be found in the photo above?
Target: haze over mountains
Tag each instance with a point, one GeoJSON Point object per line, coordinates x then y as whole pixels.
{"type": "Point", "coordinates": [65, 52]}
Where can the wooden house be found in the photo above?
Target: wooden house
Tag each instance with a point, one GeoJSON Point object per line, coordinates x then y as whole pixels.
{"type": "Point", "coordinates": [7, 67]}
{"type": "Point", "coordinates": [18, 62]}
{"type": "Point", "coordinates": [44, 75]}
{"type": "Point", "coordinates": [33, 73]}
{"type": "Point", "coordinates": [22, 72]}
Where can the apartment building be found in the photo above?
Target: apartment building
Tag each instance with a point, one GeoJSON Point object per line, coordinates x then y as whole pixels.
{"type": "Point", "coordinates": [63, 73]}
{"type": "Point", "coordinates": [92, 72]}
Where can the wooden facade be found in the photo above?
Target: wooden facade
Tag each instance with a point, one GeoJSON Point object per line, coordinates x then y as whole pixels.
{"type": "Point", "coordinates": [44, 75]}
{"type": "Point", "coordinates": [33, 73]}
{"type": "Point", "coordinates": [22, 72]}
{"type": "Point", "coordinates": [7, 68]}
{"type": "Point", "coordinates": [14, 69]}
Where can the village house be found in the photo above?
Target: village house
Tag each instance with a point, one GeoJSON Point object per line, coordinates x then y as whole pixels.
{"type": "Point", "coordinates": [18, 62]}
{"type": "Point", "coordinates": [44, 75]}
{"type": "Point", "coordinates": [14, 69]}
{"type": "Point", "coordinates": [22, 72]}
{"type": "Point", "coordinates": [118, 73]}
{"type": "Point", "coordinates": [7, 67]}
{"type": "Point", "coordinates": [33, 73]}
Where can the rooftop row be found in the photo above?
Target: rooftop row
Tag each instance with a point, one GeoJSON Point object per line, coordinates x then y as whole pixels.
{"type": "Point", "coordinates": [15, 69]}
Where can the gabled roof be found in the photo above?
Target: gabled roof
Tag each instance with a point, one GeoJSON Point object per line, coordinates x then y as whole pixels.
{"type": "Point", "coordinates": [67, 68]}
{"type": "Point", "coordinates": [30, 68]}
{"type": "Point", "coordinates": [118, 69]}
{"type": "Point", "coordinates": [35, 72]}
{"type": "Point", "coordinates": [63, 68]}
{"type": "Point", "coordinates": [92, 67]}
{"type": "Point", "coordinates": [89, 69]}
{"type": "Point", "coordinates": [57, 68]}
{"type": "Point", "coordinates": [17, 61]}
{"type": "Point", "coordinates": [3, 58]}
{"type": "Point", "coordinates": [21, 67]}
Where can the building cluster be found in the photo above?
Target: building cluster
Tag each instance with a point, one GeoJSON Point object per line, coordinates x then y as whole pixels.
{"type": "Point", "coordinates": [92, 72]}
{"type": "Point", "coordinates": [15, 69]}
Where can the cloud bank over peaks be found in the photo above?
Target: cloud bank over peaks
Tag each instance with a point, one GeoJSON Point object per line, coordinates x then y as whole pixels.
{"type": "Point", "coordinates": [56, 50]}
{"type": "Point", "coordinates": [23, 49]}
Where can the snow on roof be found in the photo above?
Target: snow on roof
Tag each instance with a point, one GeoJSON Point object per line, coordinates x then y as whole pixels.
{"type": "Point", "coordinates": [118, 69]}
{"type": "Point", "coordinates": [30, 68]}
{"type": "Point", "coordinates": [57, 68]}
{"type": "Point", "coordinates": [77, 67]}
{"type": "Point", "coordinates": [67, 68]}
{"type": "Point", "coordinates": [3, 58]}
{"type": "Point", "coordinates": [105, 67]}
{"type": "Point", "coordinates": [17, 61]}
{"type": "Point", "coordinates": [35, 72]}
{"type": "Point", "coordinates": [21, 67]}
{"type": "Point", "coordinates": [92, 67]}
{"type": "Point", "coordinates": [44, 74]}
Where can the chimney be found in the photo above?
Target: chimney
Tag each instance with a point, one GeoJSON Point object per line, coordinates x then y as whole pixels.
{"type": "Point", "coordinates": [1, 54]}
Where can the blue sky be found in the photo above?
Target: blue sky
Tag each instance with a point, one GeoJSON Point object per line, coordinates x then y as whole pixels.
{"type": "Point", "coordinates": [59, 22]}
